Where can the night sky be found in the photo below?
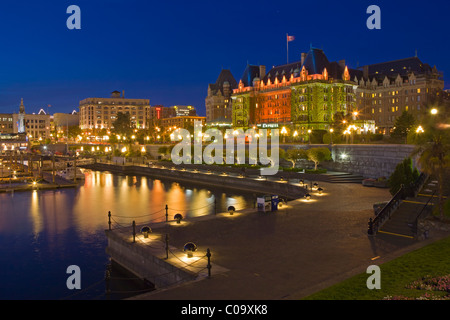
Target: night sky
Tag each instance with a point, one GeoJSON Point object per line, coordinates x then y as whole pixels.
{"type": "Point", "coordinates": [169, 51]}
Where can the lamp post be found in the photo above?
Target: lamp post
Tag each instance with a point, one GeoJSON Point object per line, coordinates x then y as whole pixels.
{"type": "Point", "coordinates": [309, 136]}
{"type": "Point", "coordinates": [331, 135]}
{"type": "Point", "coordinates": [284, 132]}
{"type": "Point", "coordinates": [295, 135]}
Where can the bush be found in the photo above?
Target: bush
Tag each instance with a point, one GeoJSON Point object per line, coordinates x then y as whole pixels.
{"type": "Point", "coordinates": [404, 174]}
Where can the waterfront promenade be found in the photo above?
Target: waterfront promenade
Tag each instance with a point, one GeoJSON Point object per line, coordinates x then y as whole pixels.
{"type": "Point", "coordinates": [288, 254]}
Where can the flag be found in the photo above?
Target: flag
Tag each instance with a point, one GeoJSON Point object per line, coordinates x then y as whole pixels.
{"type": "Point", "coordinates": [290, 38]}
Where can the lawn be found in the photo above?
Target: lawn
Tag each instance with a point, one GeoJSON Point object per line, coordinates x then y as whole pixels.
{"type": "Point", "coordinates": [397, 275]}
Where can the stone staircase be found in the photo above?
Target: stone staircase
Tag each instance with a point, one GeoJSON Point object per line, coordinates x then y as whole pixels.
{"type": "Point", "coordinates": [343, 177]}
{"type": "Point", "coordinates": [403, 221]}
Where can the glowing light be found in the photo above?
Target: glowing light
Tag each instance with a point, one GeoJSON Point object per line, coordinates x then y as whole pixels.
{"type": "Point", "coordinates": [434, 111]}
{"type": "Point", "coordinates": [419, 129]}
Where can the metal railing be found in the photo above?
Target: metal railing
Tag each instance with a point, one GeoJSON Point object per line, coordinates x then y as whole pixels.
{"type": "Point", "coordinates": [426, 206]}
{"type": "Point", "coordinates": [385, 214]}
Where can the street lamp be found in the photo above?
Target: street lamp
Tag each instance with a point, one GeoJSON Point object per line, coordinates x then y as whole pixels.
{"type": "Point", "coordinates": [419, 129]}
{"type": "Point", "coordinates": [309, 136]}
{"type": "Point", "coordinates": [331, 134]}
{"type": "Point", "coordinates": [434, 111]}
{"type": "Point", "coordinates": [284, 132]}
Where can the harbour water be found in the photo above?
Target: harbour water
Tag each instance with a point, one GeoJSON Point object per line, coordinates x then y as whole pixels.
{"type": "Point", "coordinates": [42, 233]}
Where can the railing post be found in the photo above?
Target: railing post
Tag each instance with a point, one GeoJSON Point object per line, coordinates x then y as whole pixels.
{"type": "Point", "coordinates": [370, 229]}
{"type": "Point", "coordinates": [208, 254]}
{"type": "Point", "coordinates": [134, 231]}
{"type": "Point", "coordinates": [167, 214]}
{"type": "Point", "coordinates": [167, 246]}
{"type": "Point", "coordinates": [109, 220]}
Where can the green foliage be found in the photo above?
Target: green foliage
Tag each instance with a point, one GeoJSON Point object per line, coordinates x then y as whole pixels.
{"type": "Point", "coordinates": [162, 150]}
{"type": "Point", "coordinates": [294, 155]}
{"type": "Point", "coordinates": [404, 174]}
{"type": "Point", "coordinates": [433, 148]}
{"type": "Point", "coordinates": [318, 155]}
{"type": "Point", "coordinates": [403, 125]}
{"type": "Point", "coordinates": [122, 124]}
{"type": "Point", "coordinates": [397, 274]}
{"type": "Point", "coordinates": [74, 131]}
{"type": "Point", "coordinates": [317, 136]}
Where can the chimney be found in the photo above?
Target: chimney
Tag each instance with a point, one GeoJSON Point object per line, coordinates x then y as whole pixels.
{"type": "Point", "coordinates": [303, 57]}
{"type": "Point", "coordinates": [342, 64]}
{"type": "Point", "coordinates": [123, 93]}
{"type": "Point", "coordinates": [365, 72]}
{"type": "Point", "coordinates": [262, 71]}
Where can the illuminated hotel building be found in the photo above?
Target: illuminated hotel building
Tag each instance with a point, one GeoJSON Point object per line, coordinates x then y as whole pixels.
{"type": "Point", "coordinates": [304, 94]}
{"type": "Point", "coordinates": [100, 113]}
{"type": "Point", "coordinates": [309, 93]}
{"type": "Point", "coordinates": [387, 89]}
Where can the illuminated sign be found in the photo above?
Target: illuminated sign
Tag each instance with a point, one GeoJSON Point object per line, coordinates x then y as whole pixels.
{"type": "Point", "coordinates": [267, 125]}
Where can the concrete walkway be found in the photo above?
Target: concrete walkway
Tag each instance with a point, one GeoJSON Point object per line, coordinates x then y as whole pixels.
{"type": "Point", "coordinates": [301, 249]}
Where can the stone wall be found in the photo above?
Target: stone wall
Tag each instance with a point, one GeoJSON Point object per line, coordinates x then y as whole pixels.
{"type": "Point", "coordinates": [367, 160]}
{"type": "Point", "coordinates": [370, 161]}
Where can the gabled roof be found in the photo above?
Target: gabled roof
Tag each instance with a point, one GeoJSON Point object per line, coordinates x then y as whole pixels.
{"type": "Point", "coordinates": [402, 67]}
{"type": "Point", "coordinates": [250, 73]}
{"type": "Point", "coordinates": [224, 76]}
{"type": "Point", "coordinates": [315, 62]}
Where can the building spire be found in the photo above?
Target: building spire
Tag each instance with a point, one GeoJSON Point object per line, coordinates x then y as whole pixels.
{"type": "Point", "coordinates": [22, 107]}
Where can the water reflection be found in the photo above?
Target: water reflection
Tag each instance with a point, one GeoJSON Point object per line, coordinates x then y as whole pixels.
{"type": "Point", "coordinates": [43, 232]}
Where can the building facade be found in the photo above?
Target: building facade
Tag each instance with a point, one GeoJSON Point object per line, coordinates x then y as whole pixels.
{"type": "Point", "coordinates": [158, 112]}
{"type": "Point", "coordinates": [218, 101]}
{"type": "Point", "coordinates": [182, 111]}
{"type": "Point", "coordinates": [387, 89]}
{"type": "Point", "coordinates": [35, 126]}
{"type": "Point", "coordinates": [6, 123]}
{"type": "Point", "coordinates": [100, 113]}
{"type": "Point", "coordinates": [308, 94]}
{"type": "Point", "coordinates": [305, 95]}
{"type": "Point", "coordinates": [183, 122]}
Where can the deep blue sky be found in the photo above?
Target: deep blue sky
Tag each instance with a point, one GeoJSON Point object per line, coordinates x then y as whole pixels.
{"type": "Point", "coordinates": [168, 51]}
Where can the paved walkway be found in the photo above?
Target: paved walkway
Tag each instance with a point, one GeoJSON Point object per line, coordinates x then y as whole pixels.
{"type": "Point", "coordinates": [302, 248]}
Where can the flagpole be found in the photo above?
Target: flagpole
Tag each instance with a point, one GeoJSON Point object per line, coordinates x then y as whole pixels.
{"type": "Point", "coordinates": [287, 49]}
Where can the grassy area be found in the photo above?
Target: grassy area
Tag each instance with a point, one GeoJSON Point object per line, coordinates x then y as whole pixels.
{"type": "Point", "coordinates": [432, 260]}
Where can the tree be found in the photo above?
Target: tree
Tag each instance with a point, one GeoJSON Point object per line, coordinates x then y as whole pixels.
{"type": "Point", "coordinates": [74, 131]}
{"type": "Point", "coordinates": [404, 174]}
{"type": "Point", "coordinates": [122, 124]}
{"type": "Point", "coordinates": [434, 151]}
{"type": "Point", "coordinates": [318, 155]}
{"type": "Point", "coordinates": [294, 155]}
{"type": "Point", "coordinates": [403, 125]}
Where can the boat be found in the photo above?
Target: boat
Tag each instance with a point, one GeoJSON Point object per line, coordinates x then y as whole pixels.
{"type": "Point", "coordinates": [69, 173]}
